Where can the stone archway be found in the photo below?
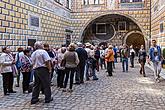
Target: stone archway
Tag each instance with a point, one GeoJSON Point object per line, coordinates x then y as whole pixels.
{"type": "Point", "coordinates": [111, 13]}
{"type": "Point", "coordinates": [113, 33]}
{"type": "Point", "coordinates": [136, 39]}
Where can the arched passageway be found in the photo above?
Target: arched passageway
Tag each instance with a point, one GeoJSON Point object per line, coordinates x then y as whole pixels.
{"type": "Point", "coordinates": [112, 28]}
{"type": "Point", "coordinates": [136, 40]}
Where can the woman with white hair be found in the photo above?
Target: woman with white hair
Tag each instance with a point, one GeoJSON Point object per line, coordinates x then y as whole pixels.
{"type": "Point", "coordinates": [7, 63]}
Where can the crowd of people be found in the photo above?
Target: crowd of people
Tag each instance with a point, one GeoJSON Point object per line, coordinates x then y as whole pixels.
{"type": "Point", "coordinates": [71, 63]}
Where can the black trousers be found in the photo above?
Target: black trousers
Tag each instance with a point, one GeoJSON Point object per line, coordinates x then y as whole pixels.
{"type": "Point", "coordinates": [80, 73]}
{"type": "Point", "coordinates": [42, 77]}
{"type": "Point", "coordinates": [109, 68]}
{"type": "Point", "coordinates": [7, 82]}
{"type": "Point", "coordinates": [52, 73]}
{"type": "Point", "coordinates": [60, 78]}
{"type": "Point", "coordinates": [69, 72]}
{"type": "Point", "coordinates": [26, 80]}
{"type": "Point", "coordinates": [132, 61]}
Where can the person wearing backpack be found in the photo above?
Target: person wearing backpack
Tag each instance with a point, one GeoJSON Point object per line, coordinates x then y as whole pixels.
{"type": "Point", "coordinates": [155, 57]}
{"type": "Point", "coordinates": [18, 63]}
{"type": "Point", "coordinates": [26, 70]}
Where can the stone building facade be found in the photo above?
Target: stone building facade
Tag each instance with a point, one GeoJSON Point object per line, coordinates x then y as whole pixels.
{"type": "Point", "coordinates": [22, 22]}
{"type": "Point", "coordinates": [158, 21]}
{"type": "Point", "coordinates": [128, 18]}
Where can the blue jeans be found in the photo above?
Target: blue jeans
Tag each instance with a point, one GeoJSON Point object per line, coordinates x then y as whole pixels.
{"type": "Point", "coordinates": [125, 62]}
{"type": "Point", "coordinates": [31, 76]}
{"type": "Point", "coordinates": [93, 72]}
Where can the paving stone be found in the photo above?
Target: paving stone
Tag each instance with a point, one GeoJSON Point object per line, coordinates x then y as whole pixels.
{"type": "Point", "coordinates": [123, 91]}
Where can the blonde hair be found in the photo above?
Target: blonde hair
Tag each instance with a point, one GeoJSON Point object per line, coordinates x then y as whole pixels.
{"type": "Point", "coordinates": [72, 47]}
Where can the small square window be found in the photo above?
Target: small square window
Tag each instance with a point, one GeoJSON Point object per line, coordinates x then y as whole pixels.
{"type": "Point", "coordinates": [122, 26]}
{"type": "Point", "coordinates": [161, 28]}
{"type": "Point", "coordinates": [100, 28]}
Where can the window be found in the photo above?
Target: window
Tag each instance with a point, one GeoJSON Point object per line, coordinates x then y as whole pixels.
{"type": "Point", "coordinates": [86, 2]}
{"type": "Point", "coordinates": [125, 1]}
{"type": "Point", "coordinates": [100, 28]}
{"type": "Point", "coordinates": [137, 1]}
{"type": "Point", "coordinates": [67, 4]}
{"type": "Point", "coordinates": [96, 1]}
{"type": "Point", "coordinates": [161, 27]}
{"type": "Point", "coordinates": [31, 42]}
{"type": "Point", "coordinates": [57, 1]}
{"type": "Point", "coordinates": [34, 2]}
{"type": "Point", "coordinates": [122, 26]}
{"type": "Point", "coordinates": [34, 21]}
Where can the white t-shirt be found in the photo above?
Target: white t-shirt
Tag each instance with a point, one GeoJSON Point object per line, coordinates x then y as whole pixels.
{"type": "Point", "coordinates": [88, 50]}
{"type": "Point", "coordinates": [39, 57]}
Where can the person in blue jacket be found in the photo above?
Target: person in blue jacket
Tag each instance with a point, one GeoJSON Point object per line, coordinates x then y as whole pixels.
{"type": "Point", "coordinates": [155, 57]}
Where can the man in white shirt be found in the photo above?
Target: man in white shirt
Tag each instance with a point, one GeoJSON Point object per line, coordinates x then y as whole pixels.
{"type": "Point", "coordinates": [42, 68]}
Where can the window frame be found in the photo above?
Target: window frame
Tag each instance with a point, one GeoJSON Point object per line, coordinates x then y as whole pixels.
{"type": "Point", "coordinates": [124, 26]}
{"type": "Point", "coordinates": [102, 33]}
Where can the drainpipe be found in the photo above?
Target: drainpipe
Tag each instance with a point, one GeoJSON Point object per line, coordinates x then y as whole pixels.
{"type": "Point", "coordinates": [150, 24]}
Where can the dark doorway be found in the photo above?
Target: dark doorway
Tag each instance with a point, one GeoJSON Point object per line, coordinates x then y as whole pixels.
{"type": "Point", "coordinates": [135, 39]}
{"type": "Point", "coordinates": [31, 42]}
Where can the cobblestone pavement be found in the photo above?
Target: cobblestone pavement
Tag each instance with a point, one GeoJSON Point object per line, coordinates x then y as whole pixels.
{"type": "Point", "coordinates": [123, 91]}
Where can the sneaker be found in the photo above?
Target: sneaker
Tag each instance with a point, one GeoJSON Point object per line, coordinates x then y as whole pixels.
{"type": "Point", "coordinates": [48, 101]}
{"type": "Point", "coordinates": [87, 79]}
{"type": "Point", "coordinates": [77, 83]}
{"type": "Point", "coordinates": [17, 85]}
{"type": "Point", "coordinates": [6, 94]}
{"type": "Point", "coordinates": [34, 102]}
{"type": "Point", "coordinates": [70, 90]}
{"type": "Point", "coordinates": [12, 91]}
{"type": "Point", "coordinates": [158, 81]}
{"type": "Point", "coordinates": [64, 90]}
{"type": "Point", "coordinates": [95, 78]}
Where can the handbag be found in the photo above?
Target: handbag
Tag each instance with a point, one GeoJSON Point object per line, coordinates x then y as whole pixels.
{"type": "Point", "coordinates": [63, 63]}
{"type": "Point", "coordinates": [14, 70]}
{"type": "Point", "coordinates": [163, 64]}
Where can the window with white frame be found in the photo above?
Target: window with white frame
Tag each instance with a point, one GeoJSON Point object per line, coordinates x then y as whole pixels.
{"type": "Point", "coordinates": [100, 28]}
{"type": "Point", "coordinates": [88, 2]}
